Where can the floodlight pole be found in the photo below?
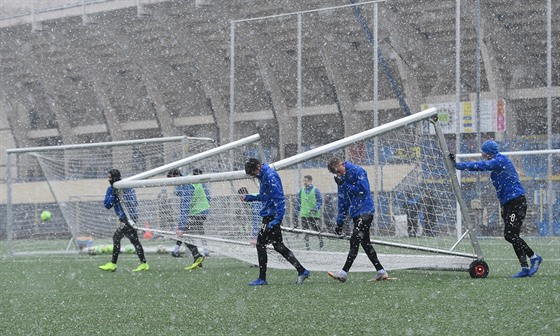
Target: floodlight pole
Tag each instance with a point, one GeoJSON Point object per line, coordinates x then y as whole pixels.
{"type": "Point", "coordinates": [232, 86]}
{"type": "Point", "coordinates": [549, 111]}
{"type": "Point", "coordinates": [9, 212]}
{"type": "Point", "coordinates": [378, 182]}
{"type": "Point", "coordinates": [458, 115]}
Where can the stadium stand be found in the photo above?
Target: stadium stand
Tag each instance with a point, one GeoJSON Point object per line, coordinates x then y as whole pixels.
{"type": "Point", "coordinates": [115, 70]}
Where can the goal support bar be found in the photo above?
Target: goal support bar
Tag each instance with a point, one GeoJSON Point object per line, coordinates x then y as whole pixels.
{"type": "Point", "coordinates": [381, 242]}
{"type": "Point", "coordinates": [173, 235]}
{"type": "Point", "coordinates": [285, 163]}
{"type": "Point", "coordinates": [457, 189]}
{"type": "Point", "coordinates": [190, 159]}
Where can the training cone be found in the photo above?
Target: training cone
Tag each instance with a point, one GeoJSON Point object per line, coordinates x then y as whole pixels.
{"type": "Point", "coordinates": [148, 235]}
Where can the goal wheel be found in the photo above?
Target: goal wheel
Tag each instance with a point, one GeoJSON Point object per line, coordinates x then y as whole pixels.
{"type": "Point", "coordinates": [479, 269]}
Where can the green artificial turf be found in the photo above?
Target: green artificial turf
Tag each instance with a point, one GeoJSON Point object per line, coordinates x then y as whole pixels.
{"type": "Point", "coordinates": [69, 295]}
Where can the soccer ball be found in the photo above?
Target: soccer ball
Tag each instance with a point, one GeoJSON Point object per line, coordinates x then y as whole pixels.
{"type": "Point", "coordinates": [46, 216]}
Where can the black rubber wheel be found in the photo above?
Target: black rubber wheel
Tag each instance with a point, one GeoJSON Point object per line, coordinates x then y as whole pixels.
{"type": "Point", "coordinates": [479, 269]}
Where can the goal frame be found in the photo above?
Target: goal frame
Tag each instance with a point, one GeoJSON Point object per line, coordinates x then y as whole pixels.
{"type": "Point", "coordinates": [429, 114]}
{"type": "Point", "coordinates": [29, 150]}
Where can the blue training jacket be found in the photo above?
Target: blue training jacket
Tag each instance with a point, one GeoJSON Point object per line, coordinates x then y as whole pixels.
{"type": "Point", "coordinates": [271, 195]}
{"type": "Point", "coordinates": [129, 197]}
{"type": "Point", "coordinates": [354, 195]}
{"type": "Point", "coordinates": [503, 175]}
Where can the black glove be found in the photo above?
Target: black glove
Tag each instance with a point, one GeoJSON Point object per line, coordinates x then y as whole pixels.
{"type": "Point", "coordinates": [338, 180]}
{"type": "Point", "coordinates": [338, 230]}
{"type": "Point", "coordinates": [452, 158]}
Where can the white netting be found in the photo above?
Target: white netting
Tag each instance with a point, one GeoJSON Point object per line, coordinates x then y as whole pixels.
{"type": "Point", "coordinates": [70, 182]}
{"type": "Point", "coordinates": [410, 162]}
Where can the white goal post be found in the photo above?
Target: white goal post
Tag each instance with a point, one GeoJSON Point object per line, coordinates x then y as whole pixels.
{"type": "Point", "coordinates": [70, 182]}
{"type": "Point", "coordinates": [412, 162]}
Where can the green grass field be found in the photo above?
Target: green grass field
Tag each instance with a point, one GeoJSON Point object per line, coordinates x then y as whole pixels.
{"type": "Point", "coordinates": [68, 295]}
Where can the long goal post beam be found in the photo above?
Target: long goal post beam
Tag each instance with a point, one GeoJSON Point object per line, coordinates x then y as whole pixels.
{"type": "Point", "coordinates": [173, 235]}
{"type": "Point", "coordinates": [288, 162]}
{"type": "Point", "coordinates": [100, 144]}
{"type": "Point", "coordinates": [342, 143]}
{"type": "Point", "coordinates": [125, 183]}
{"type": "Point", "coordinates": [382, 242]}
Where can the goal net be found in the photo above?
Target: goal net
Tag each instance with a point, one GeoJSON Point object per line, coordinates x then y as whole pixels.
{"type": "Point", "coordinates": [416, 223]}
{"type": "Point", "coordinates": [70, 182]}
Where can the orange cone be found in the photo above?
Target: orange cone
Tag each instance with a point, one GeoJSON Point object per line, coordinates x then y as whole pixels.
{"type": "Point", "coordinates": [147, 234]}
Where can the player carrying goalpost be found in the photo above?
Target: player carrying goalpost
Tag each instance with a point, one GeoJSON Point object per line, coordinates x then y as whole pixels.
{"type": "Point", "coordinates": [354, 200]}
{"type": "Point", "coordinates": [126, 228]}
{"type": "Point", "coordinates": [271, 195]}
{"type": "Point", "coordinates": [512, 199]}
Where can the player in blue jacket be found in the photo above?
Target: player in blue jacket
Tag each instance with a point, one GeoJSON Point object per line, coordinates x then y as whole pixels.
{"type": "Point", "coordinates": [512, 199]}
{"type": "Point", "coordinates": [113, 200]}
{"type": "Point", "coordinates": [271, 196]}
{"type": "Point", "coordinates": [354, 201]}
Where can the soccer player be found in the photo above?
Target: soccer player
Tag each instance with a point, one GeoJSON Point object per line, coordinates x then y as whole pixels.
{"type": "Point", "coordinates": [194, 203]}
{"type": "Point", "coordinates": [271, 196]}
{"type": "Point", "coordinates": [512, 199]}
{"type": "Point", "coordinates": [354, 200]}
{"type": "Point", "coordinates": [125, 229]}
{"type": "Point", "coordinates": [309, 207]}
